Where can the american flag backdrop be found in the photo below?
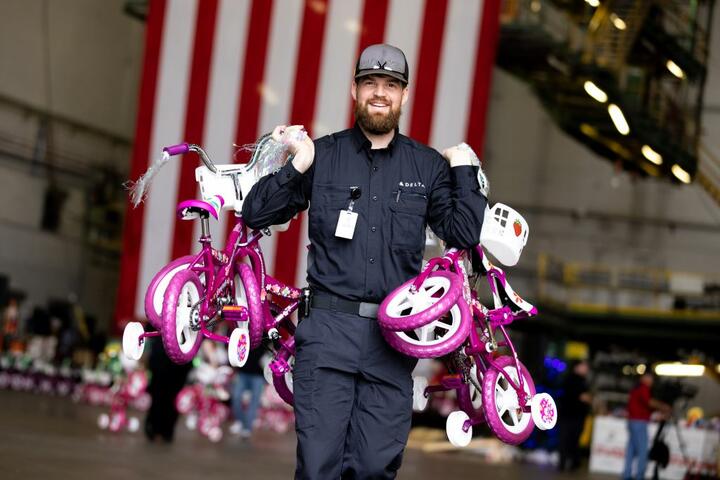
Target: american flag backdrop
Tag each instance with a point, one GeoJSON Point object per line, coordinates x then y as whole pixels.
{"type": "Point", "coordinates": [218, 72]}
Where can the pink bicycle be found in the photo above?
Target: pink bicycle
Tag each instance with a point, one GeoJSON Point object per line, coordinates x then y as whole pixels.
{"type": "Point", "coordinates": [126, 393]}
{"type": "Point", "coordinates": [188, 297]}
{"type": "Point", "coordinates": [438, 314]}
{"type": "Point", "coordinates": [203, 402]}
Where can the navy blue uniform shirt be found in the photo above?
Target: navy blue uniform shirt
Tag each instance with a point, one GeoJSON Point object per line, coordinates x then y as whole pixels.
{"type": "Point", "coordinates": [403, 188]}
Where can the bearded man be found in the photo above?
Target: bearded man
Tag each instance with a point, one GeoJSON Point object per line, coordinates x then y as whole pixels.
{"type": "Point", "coordinates": [372, 191]}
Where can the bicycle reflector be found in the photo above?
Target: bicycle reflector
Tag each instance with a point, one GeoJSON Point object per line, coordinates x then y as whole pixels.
{"type": "Point", "coordinates": [504, 233]}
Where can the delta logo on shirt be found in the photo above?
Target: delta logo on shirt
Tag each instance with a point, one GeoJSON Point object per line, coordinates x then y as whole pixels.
{"type": "Point", "coordinates": [411, 184]}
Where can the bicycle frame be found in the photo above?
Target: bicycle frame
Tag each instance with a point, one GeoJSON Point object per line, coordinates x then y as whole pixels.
{"type": "Point", "coordinates": [239, 245]}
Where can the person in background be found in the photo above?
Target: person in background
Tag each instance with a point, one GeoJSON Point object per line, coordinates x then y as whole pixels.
{"type": "Point", "coordinates": [10, 328]}
{"type": "Point", "coordinates": [166, 380]}
{"type": "Point", "coordinates": [640, 406]}
{"type": "Point", "coordinates": [248, 379]}
{"type": "Point", "coordinates": [574, 407]}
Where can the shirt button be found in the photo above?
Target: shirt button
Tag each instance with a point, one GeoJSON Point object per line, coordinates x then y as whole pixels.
{"type": "Point", "coordinates": [372, 229]}
{"type": "Point", "coordinates": [372, 260]}
{"type": "Point", "coordinates": [374, 198]}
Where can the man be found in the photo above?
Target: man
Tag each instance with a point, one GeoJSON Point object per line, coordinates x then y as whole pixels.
{"type": "Point", "coordinates": [371, 191]}
{"type": "Point", "coordinates": [574, 405]}
{"type": "Point", "coordinates": [640, 407]}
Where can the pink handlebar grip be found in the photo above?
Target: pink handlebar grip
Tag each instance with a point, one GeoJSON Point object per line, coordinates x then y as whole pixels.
{"type": "Point", "coordinates": [178, 149]}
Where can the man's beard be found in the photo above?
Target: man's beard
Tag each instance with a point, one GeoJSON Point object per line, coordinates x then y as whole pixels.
{"type": "Point", "coordinates": [376, 124]}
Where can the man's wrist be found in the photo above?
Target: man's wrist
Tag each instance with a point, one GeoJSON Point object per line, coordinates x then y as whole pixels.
{"type": "Point", "coordinates": [302, 160]}
{"type": "Point", "coordinates": [460, 162]}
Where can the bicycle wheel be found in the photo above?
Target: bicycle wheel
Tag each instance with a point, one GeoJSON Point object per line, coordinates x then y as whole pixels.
{"type": "Point", "coordinates": [435, 339]}
{"type": "Point", "coordinates": [283, 364]}
{"type": "Point", "coordinates": [186, 400]}
{"type": "Point", "coordinates": [155, 292]}
{"type": "Point", "coordinates": [501, 404]}
{"type": "Point", "coordinates": [247, 294]}
{"type": "Point", "coordinates": [180, 334]}
{"type": "Point", "coordinates": [405, 310]}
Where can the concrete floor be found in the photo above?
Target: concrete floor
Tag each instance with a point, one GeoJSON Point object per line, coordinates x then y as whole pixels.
{"type": "Point", "coordinates": [53, 438]}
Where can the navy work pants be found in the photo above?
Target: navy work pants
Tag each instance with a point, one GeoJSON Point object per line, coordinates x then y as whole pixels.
{"type": "Point", "coordinates": [353, 399]}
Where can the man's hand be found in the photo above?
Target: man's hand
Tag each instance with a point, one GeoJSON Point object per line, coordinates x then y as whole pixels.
{"type": "Point", "coordinates": [460, 155]}
{"type": "Point", "coordinates": [298, 144]}
{"type": "Point", "coordinates": [463, 155]}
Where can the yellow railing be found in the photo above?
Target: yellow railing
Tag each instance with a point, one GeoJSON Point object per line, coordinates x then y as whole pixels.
{"type": "Point", "coordinates": [612, 32]}
{"type": "Point", "coordinates": [632, 291]}
{"type": "Point", "coordinates": [708, 174]}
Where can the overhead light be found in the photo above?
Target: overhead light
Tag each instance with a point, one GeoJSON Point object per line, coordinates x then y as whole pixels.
{"type": "Point", "coordinates": [678, 369]}
{"type": "Point", "coordinates": [618, 119]}
{"type": "Point", "coordinates": [651, 155]}
{"type": "Point", "coordinates": [353, 26]}
{"type": "Point", "coordinates": [589, 130]}
{"type": "Point", "coordinates": [680, 173]}
{"type": "Point", "coordinates": [595, 92]}
{"type": "Point", "coordinates": [619, 149]}
{"type": "Point", "coordinates": [618, 22]}
{"type": "Point", "coordinates": [640, 369]}
{"type": "Point", "coordinates": [675, 69]}
{"type": "Point", "coordinates": [593, 3]}
{"type": "Point", "coordinates": [535, 6]}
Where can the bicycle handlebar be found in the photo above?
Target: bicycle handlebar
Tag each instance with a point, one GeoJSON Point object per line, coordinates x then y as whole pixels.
{"type": "Point", "coordinates": [182, 148]}
{"type": "Point", "coordinates": [178, 149]}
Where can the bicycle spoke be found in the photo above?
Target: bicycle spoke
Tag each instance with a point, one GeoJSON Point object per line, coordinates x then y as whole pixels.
{"type": "Point", "coordinates": [514, 416]}
{"type": "Point", "coordinates": [500, 403]}
{"type": "Point", "coordinates": [406, 303]}
{"type": "Point", "coordinates": [444, 326]}
{"type": "Point", "coordinates": [179, 329]}
{"type": "Point", "coordinates": [433, 289]}
{"type": "Point", "coordinates": [427, 333]}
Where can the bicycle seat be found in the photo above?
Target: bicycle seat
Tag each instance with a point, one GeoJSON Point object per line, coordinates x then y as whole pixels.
{"type": "Point", "coordinates": [192, 209]}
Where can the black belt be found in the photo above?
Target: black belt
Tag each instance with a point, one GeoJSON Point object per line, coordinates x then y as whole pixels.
{"type": "Point", "coordinates": [331, 302]}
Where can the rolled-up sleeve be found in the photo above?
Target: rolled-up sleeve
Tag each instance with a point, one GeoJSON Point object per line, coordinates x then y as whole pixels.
{"type": "Point", "coordinates": [277, 197]}
{"type": "Point", "coordinates": [457, 207]}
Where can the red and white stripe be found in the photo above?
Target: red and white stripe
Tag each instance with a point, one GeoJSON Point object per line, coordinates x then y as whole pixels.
{"type": "Point", "coordinates": [218, 72]}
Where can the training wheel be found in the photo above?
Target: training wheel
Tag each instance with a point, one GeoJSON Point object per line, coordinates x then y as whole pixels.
{"type": "Point", "coordinates": [454, 429]}
{"type": "Point", "coordinates": [133, 424]}
{"type": "Point", "coordinates": [215, 434]}
{"type": "Point", "coordinates": [420, 400]}
{"type": "Point", "coordinates": [222, 394]}
{"type": "Point", "coordinates": [239, 347]}
{"type": "Point", "coordinates": [544, 411]}
{"type": "Point", "coordinates": [132, 345]}
{"type": "Point", "coordinates": [191, 422]}
{"type": "Point", "coordinates": [103, 421]}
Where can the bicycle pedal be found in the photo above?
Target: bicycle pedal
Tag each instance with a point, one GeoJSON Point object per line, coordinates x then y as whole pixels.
{"type": "Point", "coordinates": [235, 313]}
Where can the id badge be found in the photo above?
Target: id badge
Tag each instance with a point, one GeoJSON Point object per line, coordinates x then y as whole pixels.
{"type": "Point", "coordinates": [346, 224]}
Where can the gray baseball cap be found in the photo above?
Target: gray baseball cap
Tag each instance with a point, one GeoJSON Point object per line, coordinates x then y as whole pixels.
{"type": "Point", "coordinates": [382, 59]}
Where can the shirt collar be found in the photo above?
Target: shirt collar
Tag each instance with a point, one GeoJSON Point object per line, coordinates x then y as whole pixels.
{"type": "Point", "coordinates": [362, 142]}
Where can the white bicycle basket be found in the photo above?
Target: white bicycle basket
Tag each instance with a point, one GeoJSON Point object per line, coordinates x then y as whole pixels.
{"type": "Point", "coordinates": [504, 233]}
{"type": "Point", "coordinates": [232, 182]}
